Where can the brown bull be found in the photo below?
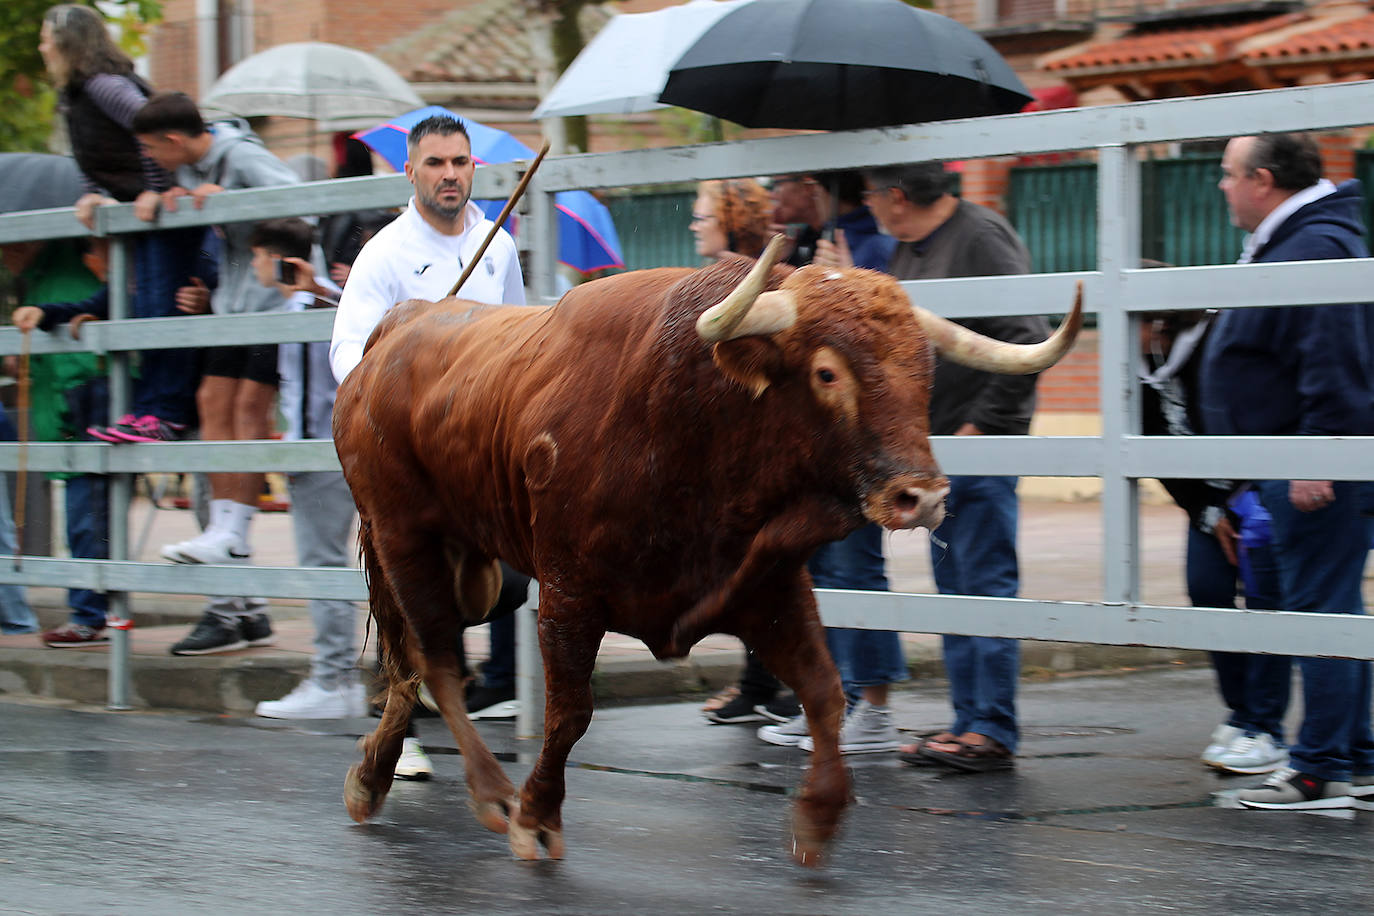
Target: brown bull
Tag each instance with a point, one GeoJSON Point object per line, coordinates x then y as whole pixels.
{"type": "Point", "coordinates": [662, 454]}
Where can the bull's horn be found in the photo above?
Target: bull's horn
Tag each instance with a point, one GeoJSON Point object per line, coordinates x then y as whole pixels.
{"type": "Point", "coordinates": [958, 344]}
{"type": "Point", "coordinates": [748, 310]}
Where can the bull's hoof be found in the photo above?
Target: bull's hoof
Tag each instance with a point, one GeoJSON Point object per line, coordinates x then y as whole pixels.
{"type": "Point", "coordinates": [496, 815]}
{"type": "Point", "coordinates": [525, 841]}
{"type": "Point", "coordinates": [360, 801]}
{"type": "Point", "coordinates": [807, 854]}
{"type": "Point", "coordinates": [810, 839]}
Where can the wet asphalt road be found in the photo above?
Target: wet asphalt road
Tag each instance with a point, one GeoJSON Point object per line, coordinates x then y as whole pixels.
{"type": "Point", "coordinates": [1109, 812]}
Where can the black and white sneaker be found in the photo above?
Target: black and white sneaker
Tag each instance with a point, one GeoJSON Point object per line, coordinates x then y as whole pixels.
{"type": "Point", "coordinates": [1290, 790]}
{"type": "Point", "coordinates": [781, 709]}
{"type": "Point", "coordinates": [212, 633]}
{"type": "Point", "coordinates": [742, 710]}
{"type": "Point", "coordinates": [256, 630]}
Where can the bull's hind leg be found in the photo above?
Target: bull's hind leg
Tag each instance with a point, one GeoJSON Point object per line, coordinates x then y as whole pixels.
{"type": "Point", "coordinates": [568, 640]}
{"type": "Point", "coordinates": [368, 782]}
{"type": "Point", "coordinates": [792, 646]}
{"type": "Point", "coordinates": [419, 624]}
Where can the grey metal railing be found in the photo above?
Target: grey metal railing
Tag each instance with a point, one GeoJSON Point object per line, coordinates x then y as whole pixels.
{"type": "Point", "coordinates": [1117, 291]}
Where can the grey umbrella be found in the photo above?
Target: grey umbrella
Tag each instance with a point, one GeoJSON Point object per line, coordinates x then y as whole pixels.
{"type": "Point", "coordinates": [343, 88]}
{"type": "Point", "coordinates": [38, 181]}
{"type": "Point", "coordinates": [841, 65]}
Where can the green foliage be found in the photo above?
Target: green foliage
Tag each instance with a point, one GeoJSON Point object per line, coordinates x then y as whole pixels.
{"type": "Point", "coordinates": [26, 97]}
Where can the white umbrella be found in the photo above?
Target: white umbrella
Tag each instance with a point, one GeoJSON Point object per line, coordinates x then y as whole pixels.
{"type": "Point", "coordinates": [312, 79]}
{"type": "Point", "coordinates": [623, 68]}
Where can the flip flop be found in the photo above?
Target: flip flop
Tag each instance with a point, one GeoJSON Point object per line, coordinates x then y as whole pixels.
{"type": "Point", "coordinates": [910, 754]}
{"type": "Point", "coordinates": [972, 758]}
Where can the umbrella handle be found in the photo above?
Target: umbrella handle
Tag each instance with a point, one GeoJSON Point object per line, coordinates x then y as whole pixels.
{"type": "Point", "coordinates": [500, 220]}
{"type": "Point", "coordinates": [21, 481]}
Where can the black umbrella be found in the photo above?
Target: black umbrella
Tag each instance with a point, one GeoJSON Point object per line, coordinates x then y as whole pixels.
{"type": "Point", "coordinates": [841, 65]}
{"type": "Point", "coordinates": [37, 181]}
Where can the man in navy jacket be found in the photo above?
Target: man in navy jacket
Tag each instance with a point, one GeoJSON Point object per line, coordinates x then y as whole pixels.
{"type": "Point", "coordinates": [1303, 371]}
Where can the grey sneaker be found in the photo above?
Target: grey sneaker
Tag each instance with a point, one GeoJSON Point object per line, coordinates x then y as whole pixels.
{"type": "Point", "coordinates": [868, 729]}
{"type": "Point", "coordinates": [1221, 739]}
{"type": "Point", "coordinates": [789, 734]}
{"type": "Point", "coordinates": [1252, 754]}
{"type": "Point", "coordinates": [1362, 791]}
{"type": "Point", "coordinates": [1289, 790]}
{"type": "Point", "coordinates": [413, 762]}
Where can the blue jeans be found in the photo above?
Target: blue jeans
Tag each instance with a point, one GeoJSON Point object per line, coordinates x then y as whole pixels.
{"type": "Point", "coordinates": [1254, 687]}
{"type": "Point", "coordinates": [164, 261]}
{"type": "Point", "coordinates": [865, 658]}
{"type": "Point", "coordinates": [15, 614]}
{"type": "Point", "coordinates": [1321, 557]}
{"type": "Point", "coordinates": [974, 553]}
{"type": "Point", "coordinates": [88, 536]}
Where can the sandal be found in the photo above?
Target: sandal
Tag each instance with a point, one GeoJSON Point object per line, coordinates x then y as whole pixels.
{"type": "Point", "coordinates": [971, 758]}
{"type": "Point", "coordinates": [721, 699]}
{"type": "Point", "coordinates": [910, 754]}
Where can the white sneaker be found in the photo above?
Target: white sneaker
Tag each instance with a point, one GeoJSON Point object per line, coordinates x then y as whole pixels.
{"type": "Point", "coordinates": [214, 545]}
{"type": "Point", "coordinates": [413, 762]}
{"type": "Point", "coordinates": [311, 701]}
{"type": "Point", "coordinates": [789, 734]}
{"type": "Point", "coordinates": [1221, 739]}
{"type": "Point", "coordinates": [868, 729]}
{"type": "Point", "coordinates": [1362, 791]}
{"type": "Point", "coordinates": [1251, 754]}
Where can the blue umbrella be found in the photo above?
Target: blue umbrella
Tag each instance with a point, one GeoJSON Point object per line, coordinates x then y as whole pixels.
{"type": "Point", "coordinates": [587, 240]}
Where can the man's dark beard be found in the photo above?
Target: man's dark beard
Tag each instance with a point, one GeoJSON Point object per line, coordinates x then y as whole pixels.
{"type": "Point", "coordinates": [432, 202]}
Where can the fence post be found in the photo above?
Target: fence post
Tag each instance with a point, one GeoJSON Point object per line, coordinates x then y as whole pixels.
{"type": "Point", "coordinates": [1118, 249]}
{"type": "Point", "coordinates": [121, 485]}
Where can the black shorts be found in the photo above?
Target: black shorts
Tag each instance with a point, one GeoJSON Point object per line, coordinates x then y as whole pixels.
{"type": "Point", "coordinates": [255, 362]}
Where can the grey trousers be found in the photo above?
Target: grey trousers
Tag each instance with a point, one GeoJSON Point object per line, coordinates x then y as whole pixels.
{"type": "Point", "coordinates": [322, 515]}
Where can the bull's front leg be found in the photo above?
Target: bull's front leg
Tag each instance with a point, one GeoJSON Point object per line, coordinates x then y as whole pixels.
{"type": "Point", "coordinates": [790, 642]}
{"type": "Point", "coordinates": [569, 637]}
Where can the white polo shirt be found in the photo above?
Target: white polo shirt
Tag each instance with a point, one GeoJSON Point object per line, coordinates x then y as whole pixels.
{"type": "Point", "coordinates": [409, 259]}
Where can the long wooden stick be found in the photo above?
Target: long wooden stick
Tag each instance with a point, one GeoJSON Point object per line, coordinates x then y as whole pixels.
{"type": "Point", "coordinates": [21, 480]}
{"type": "Point", "coordinates": [500, 220]}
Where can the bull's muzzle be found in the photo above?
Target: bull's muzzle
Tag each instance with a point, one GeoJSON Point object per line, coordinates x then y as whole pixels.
{"type": "Point", "coordinates": [909, 502]}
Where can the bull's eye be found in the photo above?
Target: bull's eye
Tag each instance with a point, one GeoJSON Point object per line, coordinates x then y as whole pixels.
{"type": "Point", "coordinates": [825, 375]}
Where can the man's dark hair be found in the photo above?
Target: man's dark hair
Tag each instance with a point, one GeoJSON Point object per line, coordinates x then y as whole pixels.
{"type": "Point", "coordinates": [289, 238]}
{"type": "Point", "coordinates": [168, 112]}
{"type": "Point", "coordinates": [442, 125]}
{"type": "Point", "coordinates": [923, 183]}
{"type": "Point", "coordinates": [847, 184]}
{"type": "Point", "coordinates": [1293, 160]}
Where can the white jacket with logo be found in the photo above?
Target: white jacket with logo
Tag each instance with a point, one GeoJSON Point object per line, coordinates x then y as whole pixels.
{"type": "Point", "coordinates": [409, 259]}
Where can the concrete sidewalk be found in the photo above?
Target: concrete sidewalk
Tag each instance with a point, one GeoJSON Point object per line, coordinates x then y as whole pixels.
{"type": "Point", "coordinates": [1060, 547]}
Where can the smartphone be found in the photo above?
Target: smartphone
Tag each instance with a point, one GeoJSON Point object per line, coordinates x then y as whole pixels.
{"type": "Point", "coordinates": [286, 272]}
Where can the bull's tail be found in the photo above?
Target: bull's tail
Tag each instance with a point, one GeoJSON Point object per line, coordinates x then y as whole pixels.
{"type": "Point", "coordinates": [392, 657]}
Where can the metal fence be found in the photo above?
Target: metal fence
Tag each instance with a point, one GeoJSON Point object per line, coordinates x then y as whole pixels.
{"type": "Point", "coordinates": [1117, 291]}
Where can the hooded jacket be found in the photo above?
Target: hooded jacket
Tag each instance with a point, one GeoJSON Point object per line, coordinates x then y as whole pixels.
{"type": "Point", "coordinates": [237, 160]}
{"type": "Point", "coordinates": [1296, 370]}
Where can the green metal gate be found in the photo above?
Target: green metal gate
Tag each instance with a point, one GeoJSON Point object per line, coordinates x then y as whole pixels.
{"type": "Point", "coordinates": [1183, 214]}
{"type": "Point", "coordinates": [655, 228]}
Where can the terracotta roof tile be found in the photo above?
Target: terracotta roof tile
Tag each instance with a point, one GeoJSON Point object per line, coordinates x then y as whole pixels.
{"type": "Point", "coordinates": [1171, 47]}
{"type": "Point", "coordinates": [1343, 37]}
{"type": "Point", "coordinates": [482, 42]}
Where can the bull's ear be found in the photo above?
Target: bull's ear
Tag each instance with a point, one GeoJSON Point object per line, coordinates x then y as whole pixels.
{"type": "Point", "coordinates": [749, 361]}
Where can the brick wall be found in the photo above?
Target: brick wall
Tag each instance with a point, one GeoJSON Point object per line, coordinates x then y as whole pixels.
{"type": "Point", "coordinates": [367, 24]}
{"type": "Point", "coordinates": [985, 181]}
{"type": "Point", "coordinates": [172, 48]}
{"type": "Point", "coordinates": [1070, 386]}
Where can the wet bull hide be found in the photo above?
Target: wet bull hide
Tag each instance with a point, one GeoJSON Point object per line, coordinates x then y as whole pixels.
{"type": "Point", "coordinates": [662, 450]}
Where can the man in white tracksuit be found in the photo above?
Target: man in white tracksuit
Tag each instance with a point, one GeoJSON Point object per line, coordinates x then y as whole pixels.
{"type": "Point", "coordinates": [420, 255]}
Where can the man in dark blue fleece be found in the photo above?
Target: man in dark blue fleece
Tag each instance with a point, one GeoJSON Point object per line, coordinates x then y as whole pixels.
{"type": "Point", "coordinates": [1303, 371]}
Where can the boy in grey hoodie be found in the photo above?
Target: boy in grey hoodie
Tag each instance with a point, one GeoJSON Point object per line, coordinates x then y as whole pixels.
{"type": "Point", "coordinates": [239, 386]}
